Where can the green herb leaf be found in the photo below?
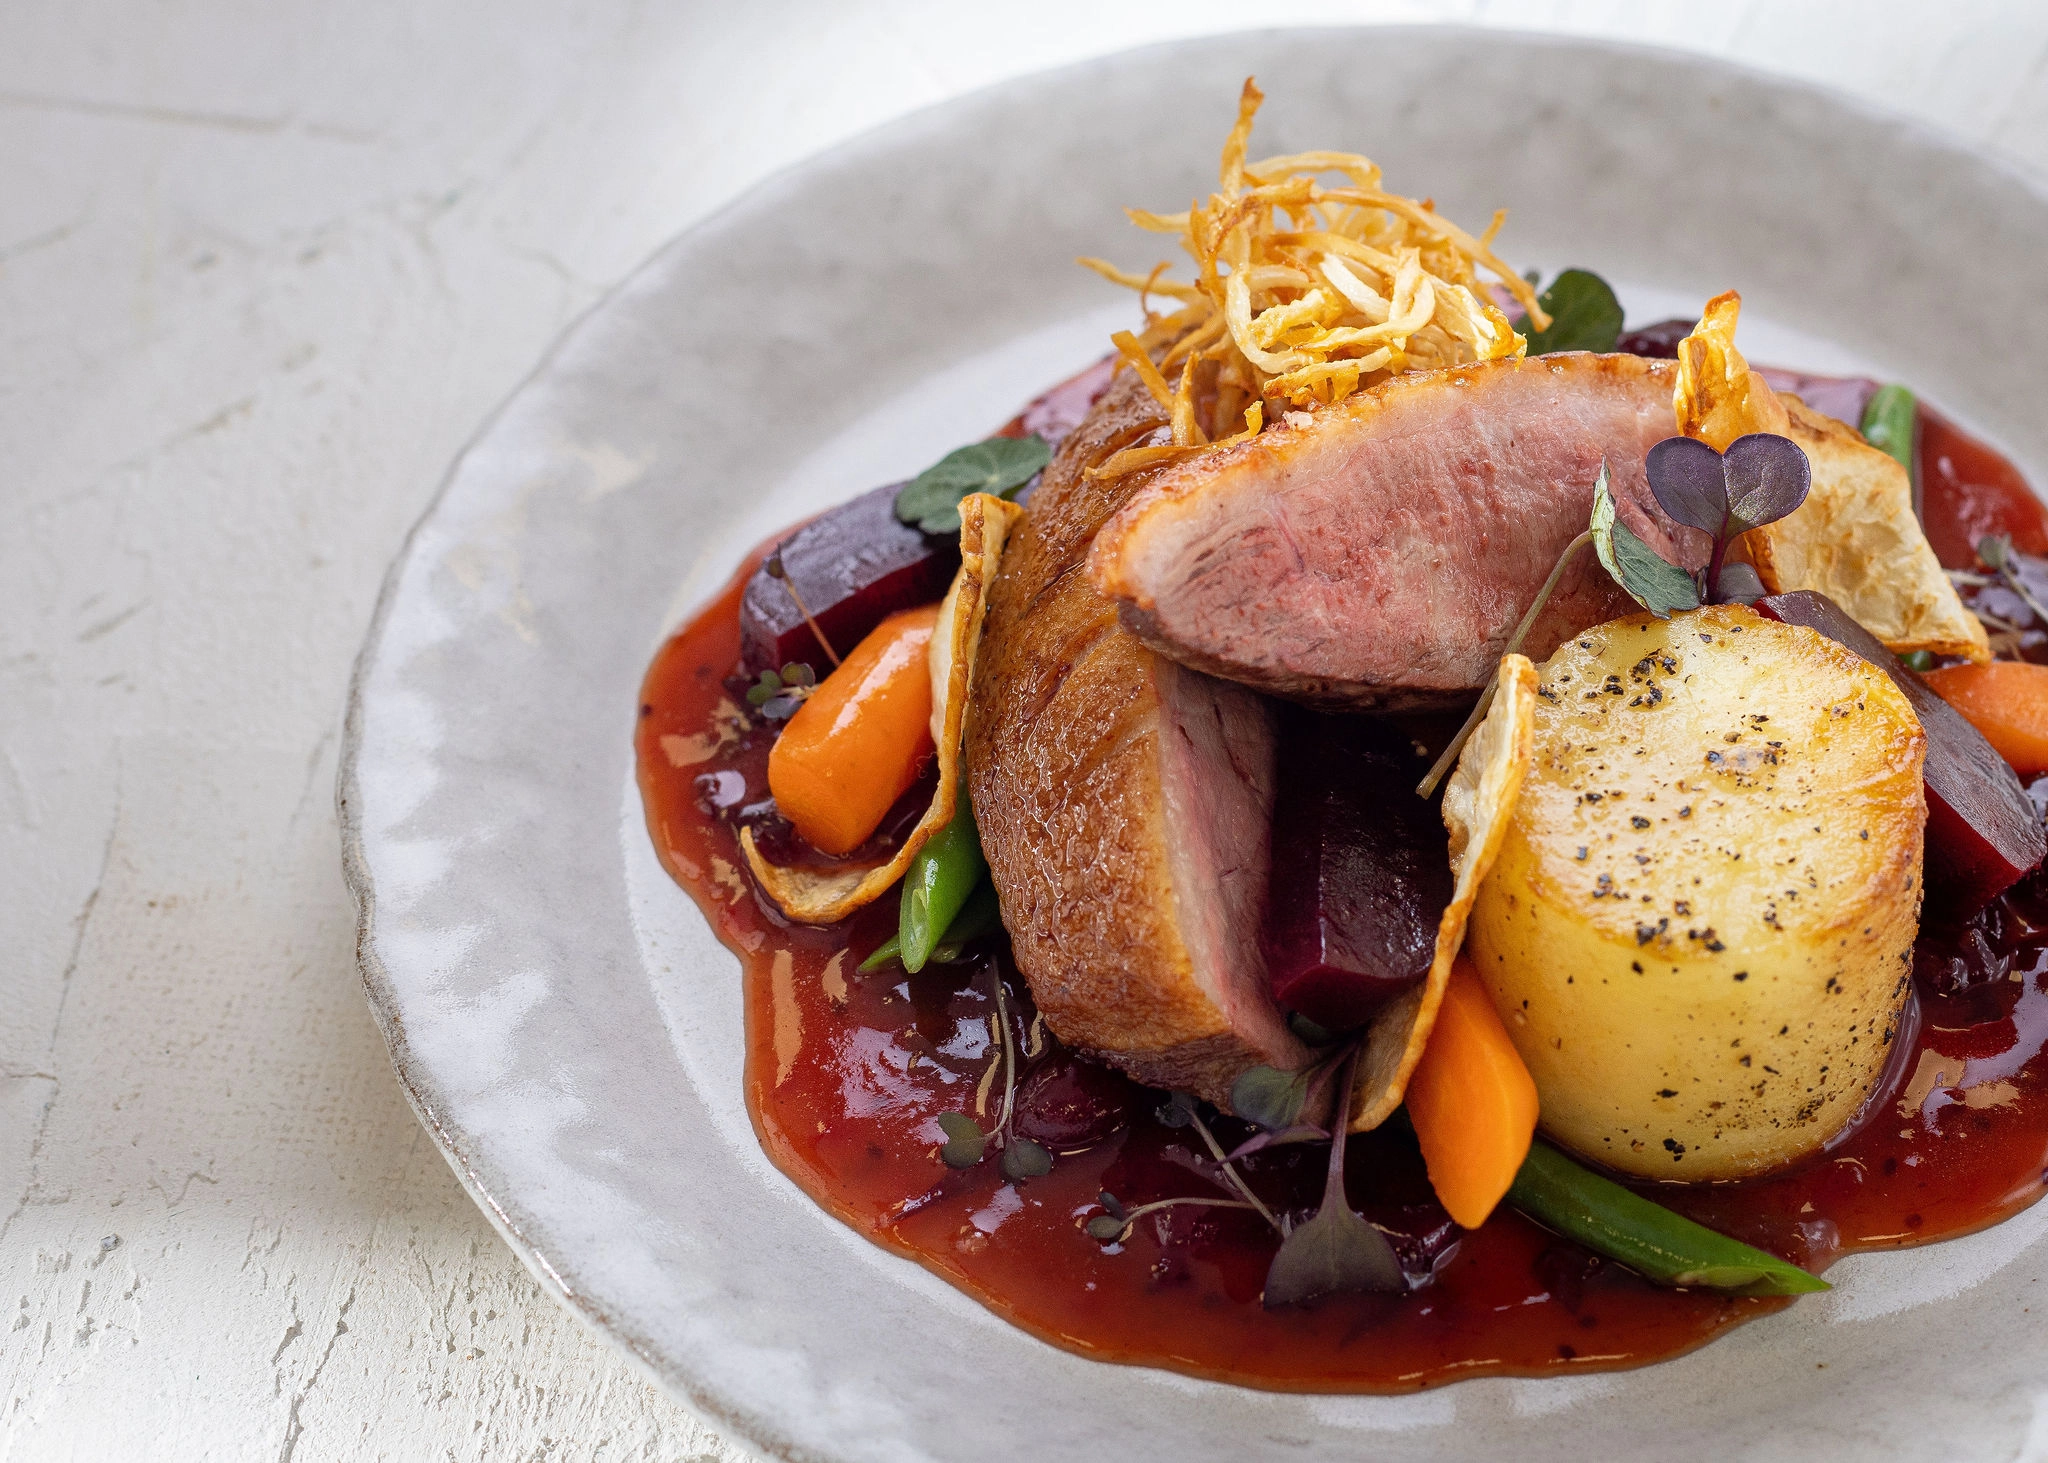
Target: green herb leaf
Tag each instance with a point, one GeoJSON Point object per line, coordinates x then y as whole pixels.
{"type": "Point", "coordinates": [769, 685]}
{"type": "Point", "coordinates": [1657, 586]}
{"type": "Point", "coordinates": [1111, 1204]}
{"type": "Point", "coordinates": [1584, 315]}
{"type": "Point", "coordinates": [1001, 465]}
{"type": "Point", "coordinates": [965, 1141]}
{"type": "Point", "coordinates": [1105, 1227]}
{"type": "Point", "coordinates": [1918, 660]}
{"type": "Point", "coordinates": [1335, 1251]}
{"type": "Point", "coordinates": [796, 673]}
{"type": "Point", "coordinates": [1024, 1159]}
{"type": "Point", "coordinates": [1268, 1096]}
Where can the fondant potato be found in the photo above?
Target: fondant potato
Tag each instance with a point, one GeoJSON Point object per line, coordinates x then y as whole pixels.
{"type": "Point", "coordinates": [1700, 925]}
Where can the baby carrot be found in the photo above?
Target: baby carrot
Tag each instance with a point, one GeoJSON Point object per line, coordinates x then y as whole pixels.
{"type": "Point", "coordinates": [1472, 1101]}
{"type": "Point", "coordinates": [857, 744]}
{"type": "Point", "coordinates": [2007, 701]}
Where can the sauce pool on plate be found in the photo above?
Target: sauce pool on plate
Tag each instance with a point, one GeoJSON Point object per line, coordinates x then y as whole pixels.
{"type": "Point", "coordinates": [848, 1072]}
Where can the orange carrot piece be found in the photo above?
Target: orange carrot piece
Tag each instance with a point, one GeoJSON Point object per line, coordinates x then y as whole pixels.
{"type": "Point", "coordinates": [1472, 1101]}
{"type": "Point", "coordinates": [2007, 700]}
{"type": "Point", "coordinates": [857, 744]}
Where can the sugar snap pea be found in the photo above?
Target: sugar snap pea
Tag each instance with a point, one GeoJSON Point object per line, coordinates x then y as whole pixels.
{"type": "Point", "coordinates": [941, 877]}
{"type": "Point", "coordinates": [1648, 1238]}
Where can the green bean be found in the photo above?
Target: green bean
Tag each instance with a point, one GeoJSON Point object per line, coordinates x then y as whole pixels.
{"type": "Point", "coordinates": [890, 949]}
{"type": "Point", "coordinates": [1648, 1238]}
{"type": "Point", "coordinates": [1889, 423]}
{"type": "Point", "coordinates": [941, 877]}
{"type": "Point", "coordinates": [976, 918]}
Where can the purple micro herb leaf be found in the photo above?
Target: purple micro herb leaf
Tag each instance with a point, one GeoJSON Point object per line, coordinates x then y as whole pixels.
{"type": "Point", "coordinates": [1690, 483]}
{"type": "Point", "coordinates": [1768, 477]}
{"type": "Point", "coordinates": [1338, 1249]}
{"type": "Point", "coordinates": [1760, 479]}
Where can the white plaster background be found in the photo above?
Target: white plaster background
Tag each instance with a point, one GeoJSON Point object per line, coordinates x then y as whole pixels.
{"type": "Point", "coordinates": [264, 266]}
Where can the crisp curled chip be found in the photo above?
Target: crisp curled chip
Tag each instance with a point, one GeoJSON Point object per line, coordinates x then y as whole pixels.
{"type": "Point", "coordinates": [1857, 541]}
{"type": "Point", "coordinates": [824, 896]}
{"type": "Point", "coordinates": [1856, 538]}
{"type": "Point", "coordinates": [1478, 802]}
{"type": "Point", "coordinates": [1718, 397]}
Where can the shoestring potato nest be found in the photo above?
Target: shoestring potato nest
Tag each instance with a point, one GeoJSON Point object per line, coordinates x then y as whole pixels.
{"type": "Point", "coordinates": [1304, 292]}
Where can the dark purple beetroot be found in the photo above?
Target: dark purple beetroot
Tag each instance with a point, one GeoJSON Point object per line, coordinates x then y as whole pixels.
{"type": "Point", "coordinates": [854, 565]}
{"type": "Point", "coordinates": [1659, 340]}
{"type": "Point", "coordinates": [1360, 869]}
{"type": "Point", "coordinates": [1983, 832]}
{"type": "Point", "coordinates": [2012, 930]}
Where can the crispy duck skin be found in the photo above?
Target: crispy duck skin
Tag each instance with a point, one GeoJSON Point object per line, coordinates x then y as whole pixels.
{"type": "Point", "coordinates": [1124, 802]}
{"type": "Point", "coordinates": [1378, 554]}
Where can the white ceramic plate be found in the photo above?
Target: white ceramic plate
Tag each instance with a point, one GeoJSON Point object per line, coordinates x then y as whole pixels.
{"type": "Point", "coordinates": [568, 1028]}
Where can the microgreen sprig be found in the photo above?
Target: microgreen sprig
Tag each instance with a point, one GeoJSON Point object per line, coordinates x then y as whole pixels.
{"type": "Point", "coordinates": [1760, 479]}
{"type": "Point", "coordinates": [1278, 1100]}
{"type": "Point", "coordinates": [1181, 1110]}
{"type": "Point", "coordinates": [1113, 1225]}
{"type": "Point", "coordinates": [967, 1142]}
{"type": "Point", "coordinates": [779, 572]}
{"type": "Point", "coordinates": [1997, 553]}
{"type": "Point", "coordinates": [777, 694]}
{"type": "Point", "coordinates": [1338, 1249]}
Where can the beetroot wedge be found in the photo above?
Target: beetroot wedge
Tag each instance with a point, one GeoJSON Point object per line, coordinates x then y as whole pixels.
{"type": "Point", "coordinates": [853, 566]}
{"type": "Point", "coordinates": [1360, 870]}
{"type": "Point", "coordinates": [1983, 832]}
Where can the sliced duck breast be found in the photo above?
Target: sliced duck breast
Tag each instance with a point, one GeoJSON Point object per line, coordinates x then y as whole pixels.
{"type": "Point", "coordinates": [1378, 553]}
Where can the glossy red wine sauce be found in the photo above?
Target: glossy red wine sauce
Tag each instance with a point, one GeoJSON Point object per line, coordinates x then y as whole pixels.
{"type": "Point", "coordinates": [846, 1073]}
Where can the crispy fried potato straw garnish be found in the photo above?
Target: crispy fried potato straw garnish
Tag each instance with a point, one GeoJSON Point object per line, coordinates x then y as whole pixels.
{"type": "Point", "coordinates": [1305, 293]}
{"type": "Point", "coordinates": [823, 897]}
{"type": "Point", "coordinates": [1856, 538]}
{"type": "Point", "coordinates": [1477, 801]}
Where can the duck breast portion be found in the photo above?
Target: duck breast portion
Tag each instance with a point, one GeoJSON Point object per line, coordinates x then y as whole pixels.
{"type": "Point", "coordinates": [1124, 802]}
{"type": "Point", "coordinates": [1378, 553]}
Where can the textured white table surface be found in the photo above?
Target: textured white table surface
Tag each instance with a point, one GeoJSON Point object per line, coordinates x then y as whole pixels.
{"type": "Point", "coordinates": [264, 266]}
